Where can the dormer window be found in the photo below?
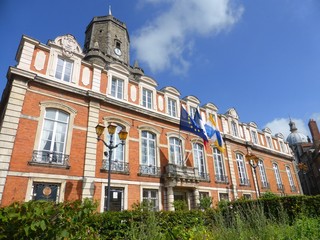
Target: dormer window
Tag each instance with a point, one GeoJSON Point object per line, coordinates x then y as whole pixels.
{"type": "Point", "coordinates": [234, 129]}
{"type": "Point", "coordinates": [64, 69]}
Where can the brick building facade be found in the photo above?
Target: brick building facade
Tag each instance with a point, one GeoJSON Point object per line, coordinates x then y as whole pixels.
{"type": "Point", "coordinates": [57, 94]}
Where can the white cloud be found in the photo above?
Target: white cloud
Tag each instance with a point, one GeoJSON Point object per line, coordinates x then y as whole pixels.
{"type": "Point", "coordinates": [165, 41]}
{"type": "Point", "coordinates": [281, 125]}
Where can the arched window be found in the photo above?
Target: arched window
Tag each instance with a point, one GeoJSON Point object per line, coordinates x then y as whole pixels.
{"type": "Point", "coordinates": [263, 175]}
{"type": "Point", "coordinates": [277, 175]}
{"type": "Point", "coordinates": [175, 151]}
{"type": "Point", "coordinates": [219, 170]}
{"type": "Point", "coordinates": [53, 137]}
{"type": "Point", "coordinates": [118, 163]}
{"type": "Point", "coordinates": [200, 161]}
{"type": "Point", "coordinates": [148, 163]}
{"type": "Point", "coordinates": [242, 170]}
{"type": "Point", "coordinates": [292, 186]}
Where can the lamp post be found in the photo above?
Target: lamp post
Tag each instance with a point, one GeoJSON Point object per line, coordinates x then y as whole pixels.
{"type": "Point", "coordinates": [123, 136]}
{"type": "Point", "coordinates": [253, 161]}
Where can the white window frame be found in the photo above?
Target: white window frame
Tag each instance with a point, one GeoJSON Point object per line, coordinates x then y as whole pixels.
{"type": "Point", "coordinates": [172, 107]}
{"type": "Point", "coordinates": [147, 99]}
{"type": "Point", "coordinates": [199, 158]}
{"type": "Point", "coordinates": [242, 171]}
{"type": "Point", "coordinates": [269, 141]}
{"type": "Point", "coordinates": [263, 174]}
{"type": "Point", "coordinates": [277, 174]}
{"type": "Point", "coordinates": [234, 129]}
{"type": "Point", "coordinates": [254, 136]}
{"type": "Point", "coordinates": [192, 111]}
{"type": "Point", "coordinates": [148, 198]}
{"type": "Point", "coordinates": [113, 185]}
{"type": "Point", "coordinates": [32, 180]}
{"type": "Point", "coordinates": [117, 75]}
{"type": "Point", "coordinates": [115, 91]}
{"type": "Point", "coordinates": [148, 143]}
{"type": "Point", "coordinates": [219, 168]}
{"type": "Point", "coordinates": [65, 61]}
{"type": "Point", "coordinates": [290, 178]}
{"type": "Point", "coordinates": [175, 151]}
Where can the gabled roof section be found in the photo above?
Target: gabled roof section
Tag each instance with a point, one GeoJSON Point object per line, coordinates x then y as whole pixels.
{"type": "Point", "coordinates": [279, 135]}
{"type": "Point", "coordinates": [69, 45]}
{"type": "Point", "coordinates": [267, 130]}
{"type": "Point", "coordinates": [118, 68]}
{"type": "Point", "coordinates": [211, 107]}
{"type": "Point", "coordinates": [253, 124]}
{"type": "Point", "coordinates": [192, 99]}
{"type": "Point", "coordinates": [171, 90]}
{"type": "Point", "coordinates": [232, 113]}
{"type": "Point", "coordinates": [148, 80]}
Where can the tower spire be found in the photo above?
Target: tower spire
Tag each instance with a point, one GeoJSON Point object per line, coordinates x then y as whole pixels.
{"type": "Point", "coordinates": [110, 10]}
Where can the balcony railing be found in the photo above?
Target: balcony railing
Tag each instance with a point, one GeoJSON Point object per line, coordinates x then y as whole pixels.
{"type": "Point", "coordinates": [265, 185]}
{"type": "Point", "coordinates": [116, 166]}
{"type": "Point", "coordinates": [204, 176]}
{"type": "Point", "coordinates": [221, 179]}
{"type": "Point", "coordinates": [244, 182]}
{"type": "Point", "coordinates": [50, 158]}
{"type": "Point", "coordinates": [280, 187]}
{"type": "Point", "coordinates": [293, 188]}
{"type": "Point", "coordinates": [149, 170]}
{"type": "Point", "coordinates": [183, 172]}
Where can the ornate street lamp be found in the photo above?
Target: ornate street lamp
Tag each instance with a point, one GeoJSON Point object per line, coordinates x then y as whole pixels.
{"type": "Point", "coordinates": [122, 136]}
{"type": "Point", "coordinates": [254, 162]}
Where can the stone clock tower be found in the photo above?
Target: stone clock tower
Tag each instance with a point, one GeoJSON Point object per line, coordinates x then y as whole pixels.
{"type": "Point", "coordinates": [107, 40]}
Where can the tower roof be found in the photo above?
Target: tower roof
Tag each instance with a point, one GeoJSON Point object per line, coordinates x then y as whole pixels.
{"type": "Point", "coordinates": [295, 137]}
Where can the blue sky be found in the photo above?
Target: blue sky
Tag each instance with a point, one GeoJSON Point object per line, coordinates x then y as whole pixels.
{"type": "Point", "coordinates": [260, 57]}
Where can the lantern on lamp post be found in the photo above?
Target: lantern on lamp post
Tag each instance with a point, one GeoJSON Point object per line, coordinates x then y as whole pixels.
{"type": "Point", "coordinates": [122, 136]}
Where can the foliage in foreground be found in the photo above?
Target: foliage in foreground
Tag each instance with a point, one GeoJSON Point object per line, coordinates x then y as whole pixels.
{"type": "Point", "coordinates": [270, 218]}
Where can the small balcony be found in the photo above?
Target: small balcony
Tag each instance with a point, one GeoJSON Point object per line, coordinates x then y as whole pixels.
{"type": "Point", "coordinates": [293, 188]}
{"type": "Point", "coordinates": [116, 167]}
{"type": "Point", "coordinates": [204, 177]}
{"type": "Point", "coordinates": [280, 187]}
{"type": "Point", "coordinates": [221, 179]}
{"type": "Point", "coordinates": [244, 182]}
{"type": "Point", "coordinates": [149, 170]}
{"type": "Point", "coordinates": [265, 185]}
{"type": "Point", "coordinates": [50, 159]}
{"type": "Point", "coordinates": [182, 172]}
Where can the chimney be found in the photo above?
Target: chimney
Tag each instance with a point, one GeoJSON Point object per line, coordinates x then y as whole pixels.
{"type": "Point", "coordinates": [314, 131]}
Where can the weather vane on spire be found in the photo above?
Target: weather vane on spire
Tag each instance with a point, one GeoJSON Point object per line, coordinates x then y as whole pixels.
{"type": "Point", "coordinates": [110, 10]}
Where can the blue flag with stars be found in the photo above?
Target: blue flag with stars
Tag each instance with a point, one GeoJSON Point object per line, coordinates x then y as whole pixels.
{"type": "Point", "coordinates": [188, 124]}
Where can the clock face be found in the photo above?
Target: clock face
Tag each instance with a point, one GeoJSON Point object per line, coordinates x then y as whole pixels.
{"type": "Point", "coordinates": [117, 51]}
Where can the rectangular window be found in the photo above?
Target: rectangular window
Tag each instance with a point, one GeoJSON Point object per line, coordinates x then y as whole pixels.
{"type": "Point", "coordinates": [282, 147]}
{"type": "Point", "coordinates": [290, 178]}
{"type": "Point", "coordinates": [223, 197]}
{"type": "Point", "coordinates": [148, 154]}
{"type": "Point", "coordinates": [150, 196]}
{"type": "Point", "coordinates": [200, 161]}
{"type": "Point", "coordinates": [263, 175]}
{"type": "Point", "coordinates": [219, 170]}
{"type": "Point", "coordinates": [117, 86]}
{"type": "Point", "coordinates": [175, 151]}
{"type": "Point", "coordinates": [242, 170]}
{"type": "Point", "coordinates": [116, 199]}
{"type": "Point", "coordinates": [147, 98]}
{"type": "Point", "coordinates": [269, 142]}
{"type": "Point", "coordinates": [45, 191]}
{"type": "Point", "coordinates": [234, 129]}
{"type": "Point", "coordinates": [192, 111]}
{"type": "Point", "coordinates": [277, 175]}
{"type": "Point", "coordinates": [254, 137]}
{"type": "Point", "coordinates": [64, 70]}
{"type": "Point", "coordinates": [172, 107]}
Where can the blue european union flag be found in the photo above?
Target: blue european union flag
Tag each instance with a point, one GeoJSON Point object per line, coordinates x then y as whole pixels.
{"type": "Point", "coordinates": [188, 124]}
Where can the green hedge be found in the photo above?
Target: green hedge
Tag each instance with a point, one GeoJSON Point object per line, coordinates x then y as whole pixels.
{"type": "Point", "coordinates": [80, 220]}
